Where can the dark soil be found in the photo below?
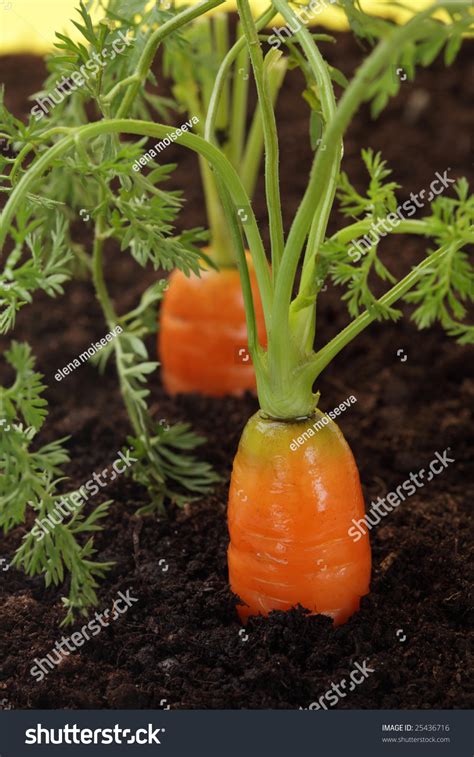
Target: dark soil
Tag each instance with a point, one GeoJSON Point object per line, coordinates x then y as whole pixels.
{"type": "Point", "coordinates": [181, 644]}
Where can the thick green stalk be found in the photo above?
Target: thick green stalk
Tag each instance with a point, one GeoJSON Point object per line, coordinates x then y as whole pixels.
{"type": "Point", "coordinates": [133, 83]}
{"type": "Point", "coordinates": [213, 34]}
{"type": "Point", "coordinates": [208, 45]}
{"type": "Point", "coordinates": [283, 362]}
{"type": "Point", "coordinates": [247, 164]}
{"type": "Point", "coordinates": [285, 386]}
{"type": "Point", "coordinates": [219, 249]}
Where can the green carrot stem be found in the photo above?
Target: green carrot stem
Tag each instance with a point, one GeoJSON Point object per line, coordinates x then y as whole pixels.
{"type": "Point", "coordinates": [224, 71]}
{"type": "Point", "coordinates": [304, 322]}
{"type": "Point", "coordinates": [272, 181]}
{"type": "Point", "coordinates": [252, 335]}
{"type": "Point", "coordinates": [220, 250]}
{"type": "Point", "coordinates": [355, 230]}
{"type": "Point", "coordinates": [208, 50]}
{"type": "Point", "coordinates": [239, 103]}
{"type": "Point", "coordinates": [238, 55]}
{"type": "Point", "coordinates": [221, 37]}
{"type": "Point", "coordinates": [134, 82]}
{"type": "Point", "coordinates": [250, 162]}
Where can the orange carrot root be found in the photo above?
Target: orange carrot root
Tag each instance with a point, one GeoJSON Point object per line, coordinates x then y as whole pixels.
{"type": "Point", "coordinates": [289, 515]}
{"type": "Point", "coordinates": [202, 340]}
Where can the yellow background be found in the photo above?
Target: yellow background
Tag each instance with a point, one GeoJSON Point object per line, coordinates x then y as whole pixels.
{"type": "Point", "coordinates": [29, 25]}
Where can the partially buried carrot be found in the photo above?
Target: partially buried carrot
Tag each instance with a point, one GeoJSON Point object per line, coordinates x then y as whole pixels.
{"type": "Point", "coordinates": [289, 515]}
{"type": "Point", "coordinates": [202, 340]}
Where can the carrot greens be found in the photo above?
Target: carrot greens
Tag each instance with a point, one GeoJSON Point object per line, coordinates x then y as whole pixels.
{"type": "Point", "coordinates": [29, 480]}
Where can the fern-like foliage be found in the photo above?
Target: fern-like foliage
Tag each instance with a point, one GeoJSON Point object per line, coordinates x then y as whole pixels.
{"type": "Point", "coordinates": [46, 266]}
{"type": "Point", "coordinates": [164, 465]}
{"type": "Point", "coordinates": [376, 204]}
{"type": "Point", "coordinates": [444, 293]}
{"type": "Point", "coordinates": [380, 198]}
{"type": "Point", "coordinates": [445, 289]}
{"type": "Point", "coordinates": [29, 482]}
{"type": "Point", "coordinates": [431, 38]}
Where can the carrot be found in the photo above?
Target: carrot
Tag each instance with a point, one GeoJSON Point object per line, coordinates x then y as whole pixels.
{"type": "Point", "coordinates": [289, 515]}
{"type": "Point", "coordinates": [202, 340]}
{"type": "Point", "coordinates": [290, 509]}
